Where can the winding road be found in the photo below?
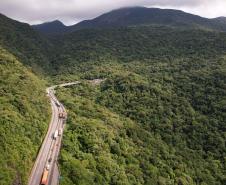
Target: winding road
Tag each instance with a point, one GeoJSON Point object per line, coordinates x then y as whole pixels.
{"type": "Point", "coordinates": [49, 151]}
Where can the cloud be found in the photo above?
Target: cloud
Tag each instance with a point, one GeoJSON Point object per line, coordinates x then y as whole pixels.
{"type": "Point", "coordinates": [71, 11]}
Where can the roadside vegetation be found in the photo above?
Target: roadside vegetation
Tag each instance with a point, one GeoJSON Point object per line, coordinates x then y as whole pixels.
{"type": "Point", "coordinates": [25, 114]}
{"type": "Point", "coordinates": [147, 123]}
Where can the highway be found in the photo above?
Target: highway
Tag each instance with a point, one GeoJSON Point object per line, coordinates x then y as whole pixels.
{"type": "Point", "coordinates": [48, 154]}
{"type": "Point", "coordinates": [49, 151]}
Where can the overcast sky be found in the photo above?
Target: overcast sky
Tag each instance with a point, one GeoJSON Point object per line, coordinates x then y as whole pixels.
{"type": "Point", "coordinates": [72, 11]}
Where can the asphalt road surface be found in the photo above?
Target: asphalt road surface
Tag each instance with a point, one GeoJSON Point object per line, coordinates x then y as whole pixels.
{"type": "Point", "coordinates": [49, 151]}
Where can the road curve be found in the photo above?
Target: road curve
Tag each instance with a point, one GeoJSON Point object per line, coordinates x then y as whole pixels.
{"type": "Point", "coordinates": [49, 151]}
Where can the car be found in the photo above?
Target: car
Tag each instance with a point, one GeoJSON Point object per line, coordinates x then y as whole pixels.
{"type": "Point", "coordinates": [55, 134]}
{"type": "Point", "coordinates": [47, 166]}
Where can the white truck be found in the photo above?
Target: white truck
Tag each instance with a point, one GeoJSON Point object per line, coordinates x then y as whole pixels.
{"type": "Point", "coordinates": [57, 103]}
{"type": "Point", "coordinates": [55, 134]}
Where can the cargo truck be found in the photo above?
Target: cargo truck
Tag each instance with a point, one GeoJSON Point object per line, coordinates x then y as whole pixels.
{"type": "Point", "coordinates": [44, 177]}
{"type": "Point", "coordinates": [62, 115]}
{"type": "Point", "coordinates": [55, 134]}
{"type": "Point", "coordinates": [57, 104]}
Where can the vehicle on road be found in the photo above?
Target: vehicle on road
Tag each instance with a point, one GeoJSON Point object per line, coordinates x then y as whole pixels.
{"type": "Point", "coordinates": [62, 115]}
{"type": "Point", "coordinates": [55, 134]}
{"type": "Point", "coordinates": [57, 104]}
{"type": "Point", "coordinates": [48, 167]}
{"type": "Point", "coordinates": [60, 131]}
{"type": "Point", "coordinates": [44, 177]}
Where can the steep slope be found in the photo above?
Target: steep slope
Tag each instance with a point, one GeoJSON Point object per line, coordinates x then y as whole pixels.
{"type": "Point", "coordinates": [25, 43]}
{"type": "Point", "coordinates": [138, 43]}
{"type": "Point", "coordinates": [54, 27]}
{"type": "Point", "coordinates": [158, 122]}
{"type": "Point", "coordinates": [25, 114]}
{"type": "Point", "coordinates": [159, 116]}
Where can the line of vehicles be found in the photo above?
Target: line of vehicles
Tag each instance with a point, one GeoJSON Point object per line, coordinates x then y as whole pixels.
{"type": "Point", "coordinates": [57, 133]}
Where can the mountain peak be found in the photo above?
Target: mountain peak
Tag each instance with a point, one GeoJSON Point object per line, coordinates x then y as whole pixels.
{"type": "Point", "coordinates": [53, 27]}
{"type": "Point", "coordinates": [130, 16]}
{"type": "Point", "coordinates": [136, 16]}
{"type": "Point", "coordinates": [56, 22]}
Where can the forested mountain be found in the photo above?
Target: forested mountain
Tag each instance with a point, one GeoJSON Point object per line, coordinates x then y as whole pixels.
{"type": "Point", "coordinates": [146, 16]}
{"type": "Point", "coordinates": [165, 87]}
{"type": "Point", "coordinates": [135, 44]}
{"type": "Point", "coordinates": [25, 114]}
{"type": "Point", "coordinates": [54, 27]}
{"type": "Point", "coordinates": [25, 43]}
{"type": "Point", "coordinates": [221, 20]}
{"type": "Point", "coordinates": [157, 118]}
{"type": "Point", "coordinates": [134, 16]}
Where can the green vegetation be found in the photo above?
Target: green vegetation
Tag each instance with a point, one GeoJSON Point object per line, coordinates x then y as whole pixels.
{"type": "Point", "coordinates": [133, 44]}
{"type": "Point", "coordinates": [25, 114]}
{"type": "Point", "coordinates": [28, 46]}
{"type": "Point", "coordinates": [143, 127]}
{"type": "Point", "coordinates": [158, 118]}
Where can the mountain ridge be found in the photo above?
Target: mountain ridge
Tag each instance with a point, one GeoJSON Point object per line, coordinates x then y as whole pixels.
{"type": "Point", "coordinates": [159, 115]}
{"type": "Point", "coordinates": [135, 16]}
{"type": "Point", "coordinates": [53, 27]}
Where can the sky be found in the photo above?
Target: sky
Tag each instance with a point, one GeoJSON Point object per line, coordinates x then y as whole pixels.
{"type": "Point", "coordinates": [73, 11]}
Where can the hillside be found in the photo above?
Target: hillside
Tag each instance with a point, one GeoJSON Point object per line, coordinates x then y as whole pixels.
{"type": "Point", "coordinates": [26, 44]}
{"type": "Point", "coordinates": [134, 44]}
{"type": "Point", "coordinates": [158, 118]}
{"type": "Point", "coordinates": [54, 27]}
{"type": "Point", "coordinates": [157, 122]}
{"type": "Point", "coordinates": [135, 16]}
{"type": "Point", "coordinates": [25, 114]}
{"type": "Point", "coordinates": [147, 16]}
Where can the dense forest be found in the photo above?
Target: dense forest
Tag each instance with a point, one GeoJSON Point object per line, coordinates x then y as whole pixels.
{"type": "Point", "coordinates": [147, 123]}
{"type": "Point", "coordinates": [25, 114]}
{"type": "Point", "coordinates": [157, 118]}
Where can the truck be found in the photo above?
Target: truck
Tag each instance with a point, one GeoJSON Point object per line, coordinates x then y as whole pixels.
{"type": "Point", "coordinates": [62, 115]}
{"type": "Point", "coordinates": [55, 134]}
{"type": "Point", "coordinates": [60, 131]}
{"type": "Point", "coordinates": [44, 177]}
{"type": "Point", "coordinates": [57, 104]}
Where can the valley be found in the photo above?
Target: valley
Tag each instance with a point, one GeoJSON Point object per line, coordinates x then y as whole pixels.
{"type": "Point", "coordinates": [158, 117]}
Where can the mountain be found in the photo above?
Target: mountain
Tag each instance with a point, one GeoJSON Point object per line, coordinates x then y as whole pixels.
{"type": "Point", "coordinates": [29, 46]}
{"type": "Point", "coordinates": [143, 16]}
{"type": "Point", "coordinates": [25, 113]}
{"type": "Point", "coordinates": [134, 16]}
{"type": "Point", "coordinates": [157, 118]}
{"type": "Point", "coordinates": [54, 27]}
{"type": "Point", "coordinates": [221, 20]}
